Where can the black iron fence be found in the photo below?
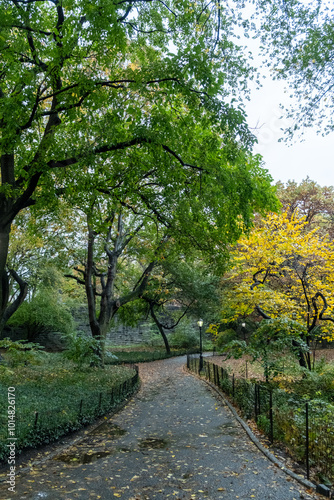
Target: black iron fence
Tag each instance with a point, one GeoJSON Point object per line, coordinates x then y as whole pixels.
{"type": "Point", "coordinates": [46, 426]}
{"type": "Point", "coordinates": [305, 427]}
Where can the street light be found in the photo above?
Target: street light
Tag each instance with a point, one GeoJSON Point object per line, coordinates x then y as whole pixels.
{"type": "Point", "coordinates": [244, 327]}
{"type": "Point", "coordinates": [200, 324]}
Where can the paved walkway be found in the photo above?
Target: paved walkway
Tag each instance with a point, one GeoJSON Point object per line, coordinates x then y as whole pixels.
{"type": "Point", "coordinates": [175, 439]}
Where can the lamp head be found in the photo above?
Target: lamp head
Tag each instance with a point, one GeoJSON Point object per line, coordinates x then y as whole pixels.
{"type": "Point", "coordinates": [200, 323]}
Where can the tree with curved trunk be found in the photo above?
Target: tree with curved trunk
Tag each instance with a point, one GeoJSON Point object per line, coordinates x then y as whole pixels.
{"type": "Point", "coordinates": [87, 85]}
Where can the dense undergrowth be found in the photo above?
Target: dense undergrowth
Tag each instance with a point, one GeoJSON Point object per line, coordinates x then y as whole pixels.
{"type": "Point", "coordinates": [52, 397]}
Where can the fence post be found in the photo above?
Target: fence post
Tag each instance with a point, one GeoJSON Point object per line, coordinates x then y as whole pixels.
{"type": "Point", "coordinates": [307, 443]}
{"type": "Point", "coordinates": [255, 402]}
{"type": "Point", "coordinates": [218, 381]}
{"type": "Point", "coordinates": [233, 385]}
{"type": "Point", "coordinates": [100, 402]}
{"type": "Point", "coordinates": [271, 416]}
{"type": "Point", "coordinates": [80, 408]}
{"type": "Point", "coordinates": [188, 361]}
{"type": "Point", "coordinates": [36, 419]}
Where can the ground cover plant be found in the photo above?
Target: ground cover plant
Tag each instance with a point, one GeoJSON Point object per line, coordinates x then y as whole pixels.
{"type": "Point", "coordinates": [291, 378]}
{"type": "Point", "coordinates": [53, 396]}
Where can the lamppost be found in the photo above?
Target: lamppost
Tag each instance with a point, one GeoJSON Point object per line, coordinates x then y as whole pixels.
{"type": "Point", "coordinates": [244, 329]}
{"type": "Point", "coordinates": [200, 324]}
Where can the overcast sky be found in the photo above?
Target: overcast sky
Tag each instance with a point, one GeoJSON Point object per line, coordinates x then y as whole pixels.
{"type": "Point", "coordinates": [294, 160]}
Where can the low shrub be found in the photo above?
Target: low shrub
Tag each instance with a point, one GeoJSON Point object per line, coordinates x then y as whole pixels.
{"type": "Point", "coordinates": [82, 349]}
{"type": "Point", "coordinates": [224, 338]}
{"type": "Point", "coordinates": [21, 352]}
{"type": "Point", "coordinates": [44, 313]}
{"type": "Point", "coordinates": [55, 398]}
{"type": "Point", "coordinates": [311, 384]}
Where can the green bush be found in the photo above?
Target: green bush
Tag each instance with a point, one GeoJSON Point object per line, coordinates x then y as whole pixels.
{"type": "Point", "coordinates": [20, 352]}
{"type": "Point", "coordinates": [184, 337]}
{"type": "Point", "coordinates": [317, 384]}
{"type": "Point", "coordinates": [44, 313]}
{"type": "Point", "coordinates": [82, 349]}
{"type": "Point", "coordinates": [223, 338]}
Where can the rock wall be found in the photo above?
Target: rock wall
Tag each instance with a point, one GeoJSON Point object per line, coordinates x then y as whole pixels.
{"type": "Point", "coordinates": [119, 334]}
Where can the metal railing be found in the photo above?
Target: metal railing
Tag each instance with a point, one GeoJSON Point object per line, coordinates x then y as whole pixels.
{"type": "Point", "coordinates": [45, 426]}
{"type": "Point", "coordinates": [304, 427]}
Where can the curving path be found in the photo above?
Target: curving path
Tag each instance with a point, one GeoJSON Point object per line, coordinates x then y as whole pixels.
{"type": "Point", "coordinates": [175, 439]}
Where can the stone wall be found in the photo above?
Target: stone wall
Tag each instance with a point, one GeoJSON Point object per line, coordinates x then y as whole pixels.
{"type": "Point", "coordinates": [119, 334]}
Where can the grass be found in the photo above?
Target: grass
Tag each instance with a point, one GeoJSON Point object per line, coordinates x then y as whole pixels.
{"type": "Point", "coordinates": [64, 397]}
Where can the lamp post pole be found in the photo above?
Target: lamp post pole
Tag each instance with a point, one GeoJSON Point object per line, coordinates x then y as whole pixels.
{"type": "Point", "coordinates": [244, 330]}
{"type": "Point", "coordinates": [200, 324]}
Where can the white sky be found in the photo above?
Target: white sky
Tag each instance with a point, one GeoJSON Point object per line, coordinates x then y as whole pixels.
{"type": "Point", "coordinates": [294, 160]}
{"type": "Point", "coordinates": [297, 159]}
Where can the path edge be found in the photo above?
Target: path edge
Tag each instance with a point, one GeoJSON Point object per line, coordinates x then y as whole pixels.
{"type": "Point", "coordinates": [91, 427]}
{"type": "Point", "coordinates": [270, 456]}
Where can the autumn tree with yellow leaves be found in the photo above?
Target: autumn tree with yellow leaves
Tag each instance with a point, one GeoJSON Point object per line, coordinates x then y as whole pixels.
{"type": "Point", "coordinates": [284, 270]}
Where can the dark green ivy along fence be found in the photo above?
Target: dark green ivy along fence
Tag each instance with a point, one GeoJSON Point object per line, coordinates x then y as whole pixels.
{"type": "Point", "coordinates": [305, 427]}
{"type": "Point", "coordinates": [31, 430]}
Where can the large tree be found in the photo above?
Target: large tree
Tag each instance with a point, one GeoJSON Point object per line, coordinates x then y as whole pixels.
{"type": "Point", "coordinates": [283, 269]}
{"type": "Point", "coordinates": [150, 84]}
{"type": "Point", "coordinates": [309, 200]}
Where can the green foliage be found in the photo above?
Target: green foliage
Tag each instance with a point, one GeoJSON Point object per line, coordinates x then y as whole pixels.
{"type": "Point", "coordinates": [184, 337]}
{"type": "Point", "coordinates": [44, 313]}
{"type": "Point", "coordinates": [298, 41]}
{"type": "Point", "coordinates": [273, 338]}
{"type": "Point", "coordinates": [225, 337]}
{"type": "Point", "coordinates": [310, 200]}
{"type": "Point", "coordinates": [82, 349]}
{"type": "Point", "coordinates": [154, 121]}
{"type": "Point", "coordinates": [54, 389]}
{"type": "Point", "coordinates": [21, 352]}
{"type": "Point", "coordinates": [315, 384]}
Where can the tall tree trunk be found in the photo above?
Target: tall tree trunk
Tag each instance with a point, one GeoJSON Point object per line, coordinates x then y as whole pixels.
{"type": "Point", "coordinates": [6, 203]}
{"type": "Point", "coordinates": [160, 327]}
{"type": "Point", "coordinates": [8, 209]}
{"type": "Point", "coordinates": [91, 293]}
{"type": "Point", "coordinates": [4, 288]}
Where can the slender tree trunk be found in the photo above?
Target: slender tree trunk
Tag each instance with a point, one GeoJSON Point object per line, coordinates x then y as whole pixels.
{"type": "Point", "coordinates": [160, 327]}
{"type": "Point", "coordinates": [165, 339]}
{"type": "Point", "coordinates": [4, 289]}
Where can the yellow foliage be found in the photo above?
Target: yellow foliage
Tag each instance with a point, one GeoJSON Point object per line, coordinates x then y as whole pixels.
{"type": "Point", "coordinates": [280, 267]}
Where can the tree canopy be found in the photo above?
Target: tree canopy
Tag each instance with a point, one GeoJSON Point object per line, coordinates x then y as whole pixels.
{"type": "Point", "coordinates": [297, 37]}
{"type": "Point", "coordinates": [283, 269]}
{"type": "Point", "coordinates": [310, 200]}
{"type": "Point", "coordinates": [137, 100]}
